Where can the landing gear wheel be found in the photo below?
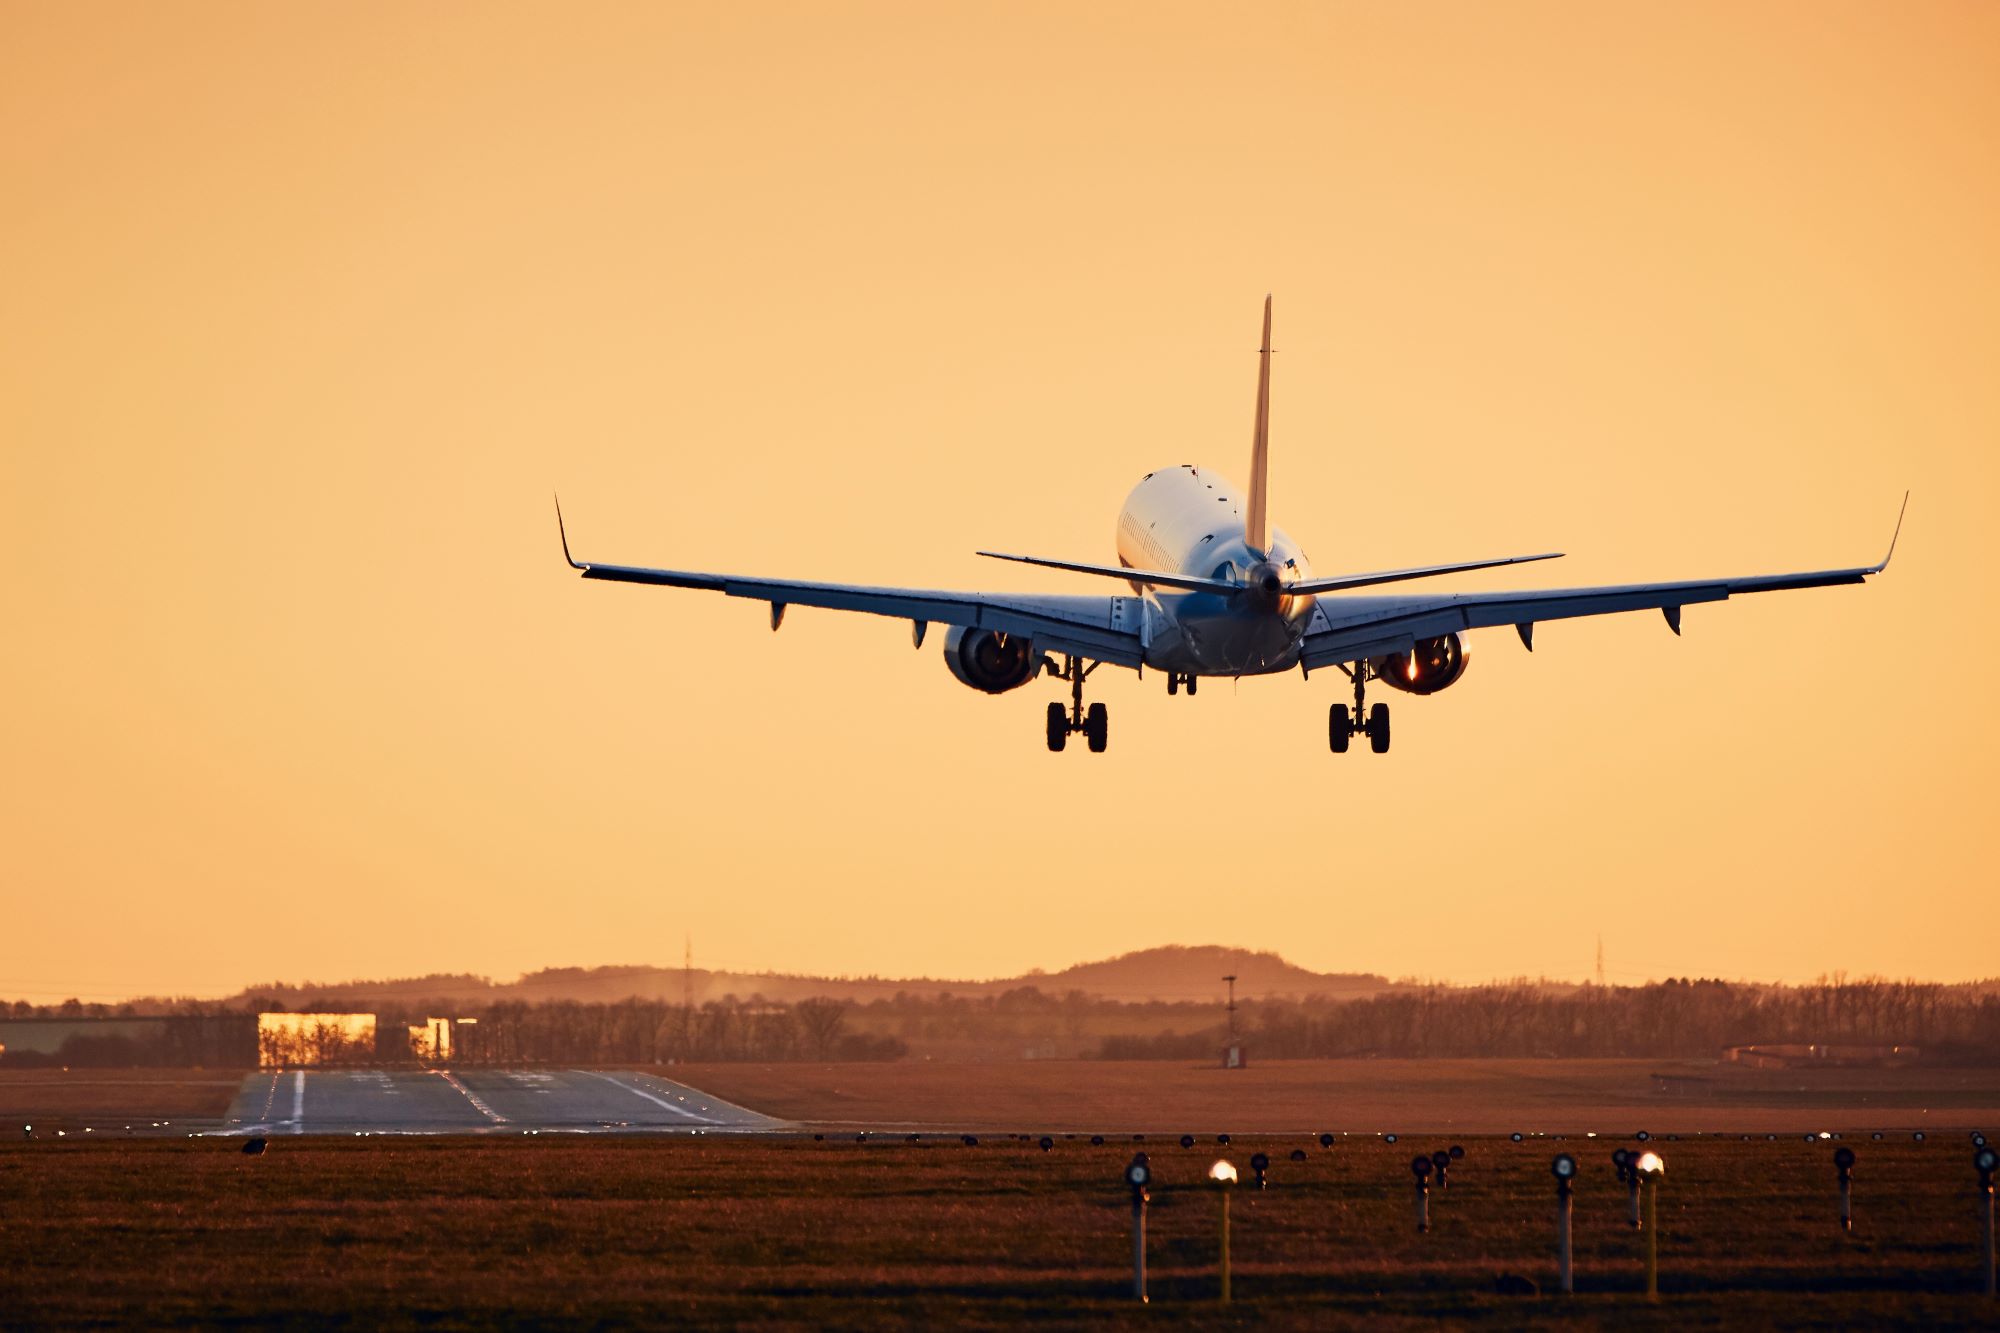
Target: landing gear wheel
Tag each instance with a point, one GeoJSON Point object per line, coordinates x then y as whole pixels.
{"type": "Point", "coordinates": [1191, 682]}
{"type": "Point", "coordinates": [1378, 728]}
{"type": "Point", "coordinates": [1173, 684]}
{"type": "Point", "coordinates": [1339, 728]}
{"type": "Point", "coordinates": [1058, 727]}
{"type": "Point", "coordinates": [1097, 727]}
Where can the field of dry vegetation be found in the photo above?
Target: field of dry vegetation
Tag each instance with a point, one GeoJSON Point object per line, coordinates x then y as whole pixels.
{"type": "Point", "coordinates": [793, 1233]}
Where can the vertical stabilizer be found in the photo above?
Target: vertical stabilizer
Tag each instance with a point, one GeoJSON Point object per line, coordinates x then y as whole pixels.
{"type": "Point", "coordinates": [1256, 527]}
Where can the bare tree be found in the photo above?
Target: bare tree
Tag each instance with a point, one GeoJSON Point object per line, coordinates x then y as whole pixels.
{"type": "Point", "coordinates": [821, 1022]}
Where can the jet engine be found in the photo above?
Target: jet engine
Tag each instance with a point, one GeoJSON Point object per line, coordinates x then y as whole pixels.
{"type": "Point", "coordinates": [990, 661]}
{"type": "Point", "coordinates": [1429, 667]}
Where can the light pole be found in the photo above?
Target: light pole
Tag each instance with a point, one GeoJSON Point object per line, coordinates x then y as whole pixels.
{"type": "Point", "coordinates": [1564, 1168]}
{"type": "Point", "coordinates": [1139, 1175]}
{"type": "Point", "coordinates": [1843, 1163]}
{"type": "Point", "coordinates": [1224, 1176]}
{"type": "Point", "coordinates": [1984, 1161]}
{"type": "Point", "coordinates": [1648, 1168]}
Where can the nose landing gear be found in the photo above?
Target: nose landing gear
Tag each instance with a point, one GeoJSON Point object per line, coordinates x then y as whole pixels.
{"type": "Point", "coordinates": [1341, 725]}
{"type": "Point", "coordinates": [1176, 679]}
{"type": "Point", "coordinates": [1094, 722]}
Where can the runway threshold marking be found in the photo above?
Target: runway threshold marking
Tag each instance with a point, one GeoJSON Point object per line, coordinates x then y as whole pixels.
{"type": "Point", "coordinates": [471, 1096]}
{"type": "Point", "coordinates": [641, 1092]}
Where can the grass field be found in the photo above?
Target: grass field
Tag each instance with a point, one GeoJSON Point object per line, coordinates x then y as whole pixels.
{"type": "Point", "coordinates": [114, 1096]}
{"type": "Point", "coordinates": [1371, 1096]}
{"type": "Point", "coordinates": [589, 1232]}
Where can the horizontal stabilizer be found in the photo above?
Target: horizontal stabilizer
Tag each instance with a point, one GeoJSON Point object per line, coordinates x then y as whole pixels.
{"type": "Point", "coordinates": [1153, 578]}
{"type": "Point", "coordinates": [1346, 581]}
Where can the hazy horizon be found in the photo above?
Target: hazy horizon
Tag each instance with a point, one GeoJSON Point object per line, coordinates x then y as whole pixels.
{"type": "Point", "coordinates": [1195, 983]}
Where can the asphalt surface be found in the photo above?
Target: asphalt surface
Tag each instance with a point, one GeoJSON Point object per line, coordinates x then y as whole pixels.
{"type": "Point", "coordinates": [481, 1101]}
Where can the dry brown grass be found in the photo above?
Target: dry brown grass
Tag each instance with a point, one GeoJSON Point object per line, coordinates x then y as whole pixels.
{"type": "Point", "coordinates": [103, 1096]}
{"type": "Point", "coordinates": [1457, 1096]}
{"type": "Point", "coordinates": [595, 1232]}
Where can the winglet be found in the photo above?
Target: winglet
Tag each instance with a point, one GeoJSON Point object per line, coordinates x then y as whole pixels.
{"type": "Point", "coordinates": [1896, 534]}
{"type": "Point", "coordinates": [1256, 528]}
{"type": "Point", "coordinates": [565, 537]}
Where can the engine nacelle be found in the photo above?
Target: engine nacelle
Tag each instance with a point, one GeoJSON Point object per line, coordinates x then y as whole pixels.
{"type": "Point", "coordinates": [990, 661]}
{"type": "Point", "coordinates": [1429, 667]}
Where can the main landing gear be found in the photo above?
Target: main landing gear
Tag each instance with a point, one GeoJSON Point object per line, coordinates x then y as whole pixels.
{"type": "Point", "coordinates": [1094, 722]}
{"type": "Point", "coordinates": [1177, 679]}
{"type": "Point", "coordinates": [1341, 725]}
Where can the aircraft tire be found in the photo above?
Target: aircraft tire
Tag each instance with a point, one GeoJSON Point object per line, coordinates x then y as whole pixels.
{"type": "Point", "coordinates": [1378, 728]}
{"type": "Point", "coordinates": [1338, 729]}
{"type": "Point", "coordinates": [1097, 727]}
{"type": "Point", "coordinates": [1058, 727]}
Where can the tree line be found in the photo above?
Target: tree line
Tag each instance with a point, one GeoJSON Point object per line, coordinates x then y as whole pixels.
{"type": "Point", "coordinates": [1678, 1018]}
{"type": "Point", "coordinates": [1681, 1018]}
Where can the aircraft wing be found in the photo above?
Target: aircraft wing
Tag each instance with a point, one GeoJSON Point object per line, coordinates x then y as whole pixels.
{"type": "Point", "coordinates": [1103, 629]}
{"type": "Point", "coordinates": [1352, 629]}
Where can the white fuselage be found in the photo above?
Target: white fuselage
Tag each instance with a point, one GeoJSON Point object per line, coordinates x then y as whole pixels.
{"type": "Point", "coordinates": [1185, 520]}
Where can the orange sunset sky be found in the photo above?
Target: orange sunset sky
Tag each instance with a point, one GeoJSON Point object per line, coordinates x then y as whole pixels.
{"type": "Point", "coordinates": [306, 308]}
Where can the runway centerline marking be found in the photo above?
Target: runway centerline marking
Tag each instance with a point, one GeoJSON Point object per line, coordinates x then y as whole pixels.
{"type": "Point", "coordinates": [298, 1121]}
{"type": "Point", "coordinates": [472, 1097]}
{"type": "Point", "coordinates": [641, 1092]}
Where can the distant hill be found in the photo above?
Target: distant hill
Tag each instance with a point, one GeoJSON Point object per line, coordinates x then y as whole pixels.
{"type": "Point", "coordinates": [1174, 974]}
{"type": "Point", "coordinates": [1184, 972]}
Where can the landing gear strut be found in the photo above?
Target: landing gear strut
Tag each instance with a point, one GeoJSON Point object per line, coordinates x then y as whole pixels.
{"type": "Point", "coordinates": [1342, 725]}
{"type": "Point", "coordinates": [1094, 722]}
{"type": "Point", "coordinates": [1176, 679]}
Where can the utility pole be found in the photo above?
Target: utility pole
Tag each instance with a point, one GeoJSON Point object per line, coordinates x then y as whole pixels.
{"type": "Point", "coordinates": [1600, 959]}
{"type": "Point", "coordinates": [1231, 979]}
{"type": "Point", "coordinates": [687, 995]}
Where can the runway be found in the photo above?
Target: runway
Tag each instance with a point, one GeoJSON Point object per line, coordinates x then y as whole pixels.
{"type": "Point", "coordinates": [482, 1101]}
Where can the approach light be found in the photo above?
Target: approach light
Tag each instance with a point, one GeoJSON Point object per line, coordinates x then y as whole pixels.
{"type": "Point", "coordinates": [1222, 1173]}
{"type": "Point", "coordinates": [1420, 1167]}
{"type": "Point", "coordinates": [1187, 1140]}
{"type": "Point", "coordinates": [1649, 1164]}
{"type": "Point", "coordinates": [1388, 1138]}
{"type": "Point", "coordinates": [1457, 1153]}
{"type": "Point", "coordinates": [1326, 1140]}
{"type": "Point", "coordinates": [1918, 1136]}
{"type": "Point", "coordinates": [1097, 1140]}
{"type": "Point", "coordinates": [1564, 1166]}
{"type": "Point", "coordinates": [1516, 1136]}
{"type": "Point", "coordinates": [1138, 1175]}
{"type": "Point", "coordinates": [1298, 1154]}
{"type": "Point", "coordinates": [1047, 1143]}
{"type": "Point", "coordinates": [1984, 1161]}
{"type": "Point", "coordinates": [1222, 1139]}
{"type": "Point", "coordinates": [1642, 1136]}
{"type": "Point", "coordinates": [1843, 1159]}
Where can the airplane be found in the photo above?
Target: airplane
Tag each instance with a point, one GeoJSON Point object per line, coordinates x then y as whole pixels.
{"type": "Point", "coordinates": [1218, 591]}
